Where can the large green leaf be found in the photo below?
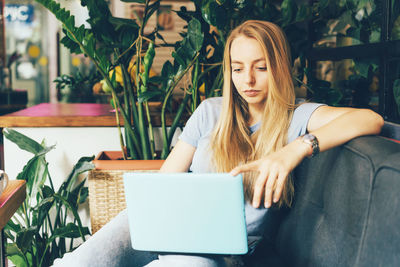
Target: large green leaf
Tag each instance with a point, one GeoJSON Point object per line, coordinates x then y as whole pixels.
{"type": "Point", "coordinates": [25, 143]}
{"type": "Point", "coordinates": [304, 13]}
{"type": "Point", "coordinates": [78, 195]}
{"type": "Point", "coordinates": [11, 226]}
{"type": "Point", "coordinates": [68, 231]}
{"type": "Point", "coordinates": [43, 209]}
{"type": "Point", "coordinates": [25, 237]}
{"type": "Point", "coordinates": [84, 164]}
{"type": "Point", "coordinates": [148, 95]}
{"type": "Point", "coordinates": [167, 74]}
{"type": "Point", "coordinates": [289, 10]}
{"type": "Point", "coordinates": [214, 14]}
{"type": "Point", "coordinates": [35, 174]}
{"type": "Point", "coordinates": [83, 195]}
{"type": "Point", "coordinates": [73, 47]}
{"type": "Point", "coordinates": [195, 35]}
{"type": "Point", "coordinates": [65, 202]}
{"type": "Point", "coordinates": [16, 256]}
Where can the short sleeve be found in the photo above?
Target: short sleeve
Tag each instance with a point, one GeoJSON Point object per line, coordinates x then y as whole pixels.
{"type": "Point", "coordinates": [202, 122]}
{"type": "Point", "coordinates": [301, 116]}
{"type": "Point", "coordinates": [192, 131]}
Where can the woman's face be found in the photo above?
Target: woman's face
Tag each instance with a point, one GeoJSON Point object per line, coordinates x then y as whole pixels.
{"type": "Point", "coordinates": [249, 71]}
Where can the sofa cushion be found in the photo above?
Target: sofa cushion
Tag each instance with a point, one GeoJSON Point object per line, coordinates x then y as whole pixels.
{"type": "Point", "coordinates": [381, 240]}
{"type": "Point", "coordinates": [330, 210]}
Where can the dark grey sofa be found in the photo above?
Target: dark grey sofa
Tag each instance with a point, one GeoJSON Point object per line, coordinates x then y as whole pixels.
{"type": "Point", "coordinates": [346, 210]}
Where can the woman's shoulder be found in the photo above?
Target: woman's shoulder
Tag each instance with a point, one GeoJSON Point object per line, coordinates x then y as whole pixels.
{"type": "Point", "coordinates": [304, 108]}
{"type": "Point", "coordinates": [301, 116]}
{"type": "Point", "coordinates": [212, 102]}
{"type": "Point", "coordinates": [211, 106]}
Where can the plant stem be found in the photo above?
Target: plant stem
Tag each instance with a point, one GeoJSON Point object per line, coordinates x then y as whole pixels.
{"type": "Point", "coordinates": [126, 51]}
{"type": "Point", "coordinates": [142, 128]}
{"type": "Point", "coordinates": [151, 132]}
{"type": "Point", "coordinates": [211, 67]}
{"type": "Point", "coordinates": [195, 85]}
{"type": "Point", "coordinates": [44, 253]}
{"type": "Point", "coordinates": [177, 118]}
{"type": "Point", "coordinates": [132, 111]}
{"type": "Point", "coordinates": [121, 140]}
{"type": "Point", "coordinates": [169, 91]}
{"type": "Point", "coordinates": [216, 84]}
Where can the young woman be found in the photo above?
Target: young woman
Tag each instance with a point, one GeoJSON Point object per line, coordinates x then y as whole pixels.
{"type": "Point", "coordinates": [256, 128]}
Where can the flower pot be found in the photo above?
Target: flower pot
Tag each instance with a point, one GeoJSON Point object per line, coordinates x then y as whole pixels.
{"type": "Point", "coordinates": [106, 186]}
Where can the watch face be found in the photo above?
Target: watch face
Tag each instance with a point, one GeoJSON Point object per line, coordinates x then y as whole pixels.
{"type": "Point", "coordinates": [310, 137]}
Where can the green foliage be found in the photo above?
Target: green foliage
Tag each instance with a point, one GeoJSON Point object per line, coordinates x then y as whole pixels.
{"type": "Point", "coordinates": [34, 238]}
{"type": "Point", "coordinates": [113, 43]}
{"type": "Point", "coordinates": [76, 88]}
{"type": "Point", "coordinates": [116, 43]}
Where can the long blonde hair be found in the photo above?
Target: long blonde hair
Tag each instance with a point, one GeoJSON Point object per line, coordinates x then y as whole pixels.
{"type": "Point", "coordinates": [232, 142]}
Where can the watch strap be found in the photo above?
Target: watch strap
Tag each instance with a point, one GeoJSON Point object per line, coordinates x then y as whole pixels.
{"type": "Point", "coordinates": [311, 140]}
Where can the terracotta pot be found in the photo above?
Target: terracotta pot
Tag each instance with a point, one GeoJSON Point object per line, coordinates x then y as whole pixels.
{"type": "Point", "coordinates": [106, 186]}
{"type": "Point", "coordinates": [112, 160]}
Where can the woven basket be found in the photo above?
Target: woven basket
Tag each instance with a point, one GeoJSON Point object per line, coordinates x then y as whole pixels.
{"type": "Point", "coordinates": [106, 188]}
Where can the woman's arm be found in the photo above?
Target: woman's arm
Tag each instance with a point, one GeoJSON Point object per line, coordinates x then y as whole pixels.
{"type": "Point", "coordinates": [332, 127]}
{"type": "Point", "coordinates": [335, 126]}
{"type": "Point", "coordinates": [179, 159]}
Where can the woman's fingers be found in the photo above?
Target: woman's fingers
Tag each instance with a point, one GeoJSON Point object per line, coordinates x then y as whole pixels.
{"type": "Point", "coordinates": [269, 188]}
{"type": "Point", "coordinates": [259, 188]}
{"type": "Point", "coordinates": [279, 186]}
{"type": "Point", "coordinates": [269, 182]}
{"type": "Point", "coordinates": [245, 168]}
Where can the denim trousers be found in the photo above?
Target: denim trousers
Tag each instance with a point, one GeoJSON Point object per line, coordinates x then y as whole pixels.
{"type": "Point", "coordinates": [111, 246]}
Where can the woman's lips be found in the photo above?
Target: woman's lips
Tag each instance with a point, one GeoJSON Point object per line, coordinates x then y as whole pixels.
{"type": "Point", "coordinates": [251, 93]}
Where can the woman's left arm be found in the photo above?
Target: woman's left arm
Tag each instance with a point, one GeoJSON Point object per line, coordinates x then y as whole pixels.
{"type": "Point", "coordinates": [332, 127]}
{"type": "Point", "coordinates": [335, 126]}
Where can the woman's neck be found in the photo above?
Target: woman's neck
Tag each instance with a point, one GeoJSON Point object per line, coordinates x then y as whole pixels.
{"type": "Point", "coordinates": [255, 114]}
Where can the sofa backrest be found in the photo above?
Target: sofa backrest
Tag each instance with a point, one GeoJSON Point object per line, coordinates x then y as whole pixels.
{"type": "Point", "coordinates": [343, 205]}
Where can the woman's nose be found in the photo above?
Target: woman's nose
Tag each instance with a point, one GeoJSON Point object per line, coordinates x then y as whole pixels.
{"type": "Point", "coordinates": [250, 77]}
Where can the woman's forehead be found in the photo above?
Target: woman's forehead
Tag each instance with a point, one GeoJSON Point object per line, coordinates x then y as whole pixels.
{"type": "Point", "coordinates": [245, 49]}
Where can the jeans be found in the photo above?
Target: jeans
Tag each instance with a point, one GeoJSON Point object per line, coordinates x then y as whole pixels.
{"type": "Point", "coordinates": [111, 246]}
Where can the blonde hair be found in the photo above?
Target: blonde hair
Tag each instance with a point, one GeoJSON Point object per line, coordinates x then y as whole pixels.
{"type": "Point", "coordinates": [232, 142]}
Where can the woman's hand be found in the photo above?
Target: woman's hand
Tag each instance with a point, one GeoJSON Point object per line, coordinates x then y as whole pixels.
{"type": "Point", "coordinates": [273, 171]}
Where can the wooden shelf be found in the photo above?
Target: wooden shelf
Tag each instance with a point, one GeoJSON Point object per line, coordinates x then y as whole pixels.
{"type": "Point", "coordinates": [10, 200]}
{"type": "Point", "coordinates": [69, 115]}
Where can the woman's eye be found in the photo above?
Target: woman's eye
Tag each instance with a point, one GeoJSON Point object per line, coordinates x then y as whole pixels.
{"type": "Point", "coordinates": [236, 69]}
{"type": "Point", "coordinates": [262, 68]}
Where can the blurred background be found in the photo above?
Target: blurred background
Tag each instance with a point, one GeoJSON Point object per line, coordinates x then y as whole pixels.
{"type": "Point", "coordinates": [345, 53]}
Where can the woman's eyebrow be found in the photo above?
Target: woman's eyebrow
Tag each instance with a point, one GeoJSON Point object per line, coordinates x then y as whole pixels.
{"type": "Point", "coordinates": [254, 61]}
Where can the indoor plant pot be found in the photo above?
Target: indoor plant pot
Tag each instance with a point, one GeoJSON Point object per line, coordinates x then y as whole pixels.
{"type": "Point", "coordinates": [106, 186]}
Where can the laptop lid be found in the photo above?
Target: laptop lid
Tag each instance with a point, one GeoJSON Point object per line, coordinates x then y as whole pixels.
{"type": "Point", "coordinates": [186, 212]}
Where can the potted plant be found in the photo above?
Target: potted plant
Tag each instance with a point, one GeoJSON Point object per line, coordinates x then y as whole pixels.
{"type": "Point", "coordinates": [123, 55]}
{"type": "Point", "coordinates": [47, 223]}
{"type": "Point", "coordinates": [119, 47]}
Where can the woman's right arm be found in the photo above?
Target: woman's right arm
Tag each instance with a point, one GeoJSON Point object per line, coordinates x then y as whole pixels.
{"type": "Point", "coordinates": [180, 158]}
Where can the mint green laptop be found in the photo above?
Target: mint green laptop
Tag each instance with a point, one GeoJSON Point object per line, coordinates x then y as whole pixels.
{"type": "Point", "coordinates": [186, 212]}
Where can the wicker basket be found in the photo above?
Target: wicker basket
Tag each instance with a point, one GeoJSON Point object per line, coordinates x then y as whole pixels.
{"type": "Point", "coordinates": [106, 189]}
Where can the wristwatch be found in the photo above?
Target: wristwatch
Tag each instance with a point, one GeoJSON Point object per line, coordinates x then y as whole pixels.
{"type": "Point", "coordinates": [311, 140]}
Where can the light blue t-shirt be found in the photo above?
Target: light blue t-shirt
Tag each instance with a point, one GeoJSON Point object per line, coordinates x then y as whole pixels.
{"type": "Point", "coordinates": [197, 133]}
